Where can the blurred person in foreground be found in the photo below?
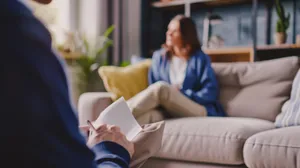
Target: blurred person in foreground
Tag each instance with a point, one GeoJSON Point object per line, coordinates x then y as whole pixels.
{"type": "Point", "coordinates": [39, 125]}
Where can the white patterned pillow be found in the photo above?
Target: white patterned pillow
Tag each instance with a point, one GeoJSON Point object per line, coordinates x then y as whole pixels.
{"type": "Point", "coordinates": [290, 112]}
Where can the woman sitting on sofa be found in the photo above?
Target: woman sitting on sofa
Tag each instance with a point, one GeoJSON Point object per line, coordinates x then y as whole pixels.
{"type": "Point", "coordinates": [181, 79]}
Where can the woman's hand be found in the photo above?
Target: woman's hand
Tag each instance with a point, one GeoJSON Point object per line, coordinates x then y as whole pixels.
{"type": "Point", "coordinates": [110, 133]}
{"type": "Point", "coordinates": [176, 87]}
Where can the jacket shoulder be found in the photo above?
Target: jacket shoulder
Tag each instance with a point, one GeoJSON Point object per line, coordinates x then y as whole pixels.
{"type": "Point", "coordinates": [201, 56]}
{"type": "Point", "coordinates": [158, 54]}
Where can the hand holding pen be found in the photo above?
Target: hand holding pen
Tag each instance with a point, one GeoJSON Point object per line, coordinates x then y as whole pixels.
{"type": "Point", "coordinates": [108, 133]}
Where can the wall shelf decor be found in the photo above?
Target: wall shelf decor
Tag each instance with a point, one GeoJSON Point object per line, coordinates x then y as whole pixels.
{"type": "Point", "coordinates": [250, 53]}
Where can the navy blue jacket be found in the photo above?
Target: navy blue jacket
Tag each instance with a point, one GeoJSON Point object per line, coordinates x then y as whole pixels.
{"type": "Point", "coordinates": [39, 127]}
{"type": "Point", "coordinates": [200, 83]}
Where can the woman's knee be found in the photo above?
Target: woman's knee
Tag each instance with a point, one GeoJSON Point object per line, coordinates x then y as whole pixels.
{"type": "Point", "coordinates": [150, 117]}
{"type": "Point", "coordinates": [160, 85]}
{"type": "Point", "coordinates": [161, 89]}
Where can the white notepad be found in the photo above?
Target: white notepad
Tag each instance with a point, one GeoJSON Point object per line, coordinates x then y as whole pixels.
{"type": "Point", "coordinates": [119, 114]}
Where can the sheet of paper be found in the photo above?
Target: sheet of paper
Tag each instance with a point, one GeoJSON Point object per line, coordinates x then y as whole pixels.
{"type": "Point", "coordinates": [119, 114]}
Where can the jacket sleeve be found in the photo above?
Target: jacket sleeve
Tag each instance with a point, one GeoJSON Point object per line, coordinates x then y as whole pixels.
{"type": "Point", "coordinates": [111, 155]}
{"type": "Point", "coordinates": [208, 90]}
{"type": "Point", "coordinates": [153, 75]}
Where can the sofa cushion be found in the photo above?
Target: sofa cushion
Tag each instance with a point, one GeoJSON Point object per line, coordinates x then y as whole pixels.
{"type": "Point", "coordinates": [290, 113]}
{"type": "Point", "coordinates": [164, 163]}
{"type": "Point", "coordinates": [147, 143]}
{"type": "Point", "coordinates": [257, 89]}
{"type": "Point", "coordinates": [209, 139]}
{"type": "Point", "coordinates": [274, 148]}
{"type": "Point", "coordinates": [91, 104]}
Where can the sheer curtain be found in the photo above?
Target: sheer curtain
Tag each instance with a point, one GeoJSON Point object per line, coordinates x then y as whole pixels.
{"type": "Point", "coordinates": [95, 16]}
{"type": "Point", "coordinates": [116, 15]}
{"type": "Point", "coordinates": [56, 17]}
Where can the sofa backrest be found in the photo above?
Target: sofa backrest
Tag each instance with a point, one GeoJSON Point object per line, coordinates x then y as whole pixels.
{"type": "Point", "coordinates": [256, 89]}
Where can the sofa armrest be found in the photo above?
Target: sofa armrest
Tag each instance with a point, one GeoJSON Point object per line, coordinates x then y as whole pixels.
{"type": "Point", "coordinates": [91, 104]}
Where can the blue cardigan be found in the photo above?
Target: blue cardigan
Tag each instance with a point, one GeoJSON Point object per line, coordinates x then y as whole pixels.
{"type": "Point", "coordinates": [200, 83]}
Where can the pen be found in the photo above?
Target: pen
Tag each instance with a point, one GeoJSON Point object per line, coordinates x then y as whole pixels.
{"type": "Point", "coordinates": [91, 126]}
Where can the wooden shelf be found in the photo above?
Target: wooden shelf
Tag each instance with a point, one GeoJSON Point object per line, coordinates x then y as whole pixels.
{"type": "Point", "coordinates": [233, 50]}
{"type": "Point", "coordinates": [159, 4]}
{"type": "Point", "coordinates": [174, 3]}
{"type": "Point", "coordinates": [245, 54]}
{"type": "Point", "coordinates": [234, 54]}
{"type": "Point", "coordinates": [278, 47]}
{"type": "Point", "coordinates": [68, 56]}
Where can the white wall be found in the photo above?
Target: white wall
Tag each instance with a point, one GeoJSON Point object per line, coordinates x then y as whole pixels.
{"type": "Point", "coordinates": [56, 16]}
{"type": "Point", "coordinates": [63, 18]}
{"type": "Point", "coordinates": [89, 17]}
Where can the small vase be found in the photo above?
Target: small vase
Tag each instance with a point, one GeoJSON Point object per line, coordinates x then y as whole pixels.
{"type": "Point", "coordinates": [298, 39]}
{"type": "Point", "coordinates": [280, 38]}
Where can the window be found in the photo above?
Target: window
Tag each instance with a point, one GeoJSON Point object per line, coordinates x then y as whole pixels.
{"type": "Point", "coordinates": [56, 16]}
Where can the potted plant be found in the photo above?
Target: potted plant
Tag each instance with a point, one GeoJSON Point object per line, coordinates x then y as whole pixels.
{"type": "Point", "coordinates": [90, 61]}
{"type": "Point", "coordinates": [282, 24]}
{"type": "Point", "coordinates": [87, 57]}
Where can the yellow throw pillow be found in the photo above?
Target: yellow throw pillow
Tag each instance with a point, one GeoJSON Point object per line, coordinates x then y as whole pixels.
{"type": "Point", "coordinates": [125, 81]}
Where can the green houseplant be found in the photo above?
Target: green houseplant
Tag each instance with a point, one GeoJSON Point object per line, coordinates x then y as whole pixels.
{"type": "Point", "coordinates": [282, 23]}
{"type": "Point", "coordinates": [91, 59]}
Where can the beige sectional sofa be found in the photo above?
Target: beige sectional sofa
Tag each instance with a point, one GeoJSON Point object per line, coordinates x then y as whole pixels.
{"type": "Point", "coordinates": [252, 95]}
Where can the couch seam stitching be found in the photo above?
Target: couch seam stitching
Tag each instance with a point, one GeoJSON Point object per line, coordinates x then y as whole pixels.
{"type": "Point", "coordinates": [271, 145]}
{"type": "Point", "coordinates": [205, 136]}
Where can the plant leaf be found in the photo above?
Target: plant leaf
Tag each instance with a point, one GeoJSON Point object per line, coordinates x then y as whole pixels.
{"type": "Point", "coordinates": [107, 44]}
{"type": "Point", "coordinates": [278, 9]}
{"type": "Point", "coordinates": [283, 22]}
{"type": "Point", "coordinates": [86, 45]}
{"type": "Point", "coordinates": [109, 31]}
{"type": "Point", "coordinates": [105, 63]}
{"type": "Point", "coordinates": [287, 21]}
{"type": "Point", "coordinates": [125, 63]}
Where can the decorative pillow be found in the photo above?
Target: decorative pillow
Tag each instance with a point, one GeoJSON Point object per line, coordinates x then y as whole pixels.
{"type": "Point", "coordinates": [125, 81]}
{"type": "Point", "coordinates": [290, 112]}
{"type": "Point", "coordinates": [257, 89]}
{"type": "Point", "coordinates": [147, 143]}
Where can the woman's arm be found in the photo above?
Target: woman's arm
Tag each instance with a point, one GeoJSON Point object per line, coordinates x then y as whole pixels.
{"type": "Point", "coordinates": [208, 92]}
{"type": "Point", "coordinates": [153, 75]}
